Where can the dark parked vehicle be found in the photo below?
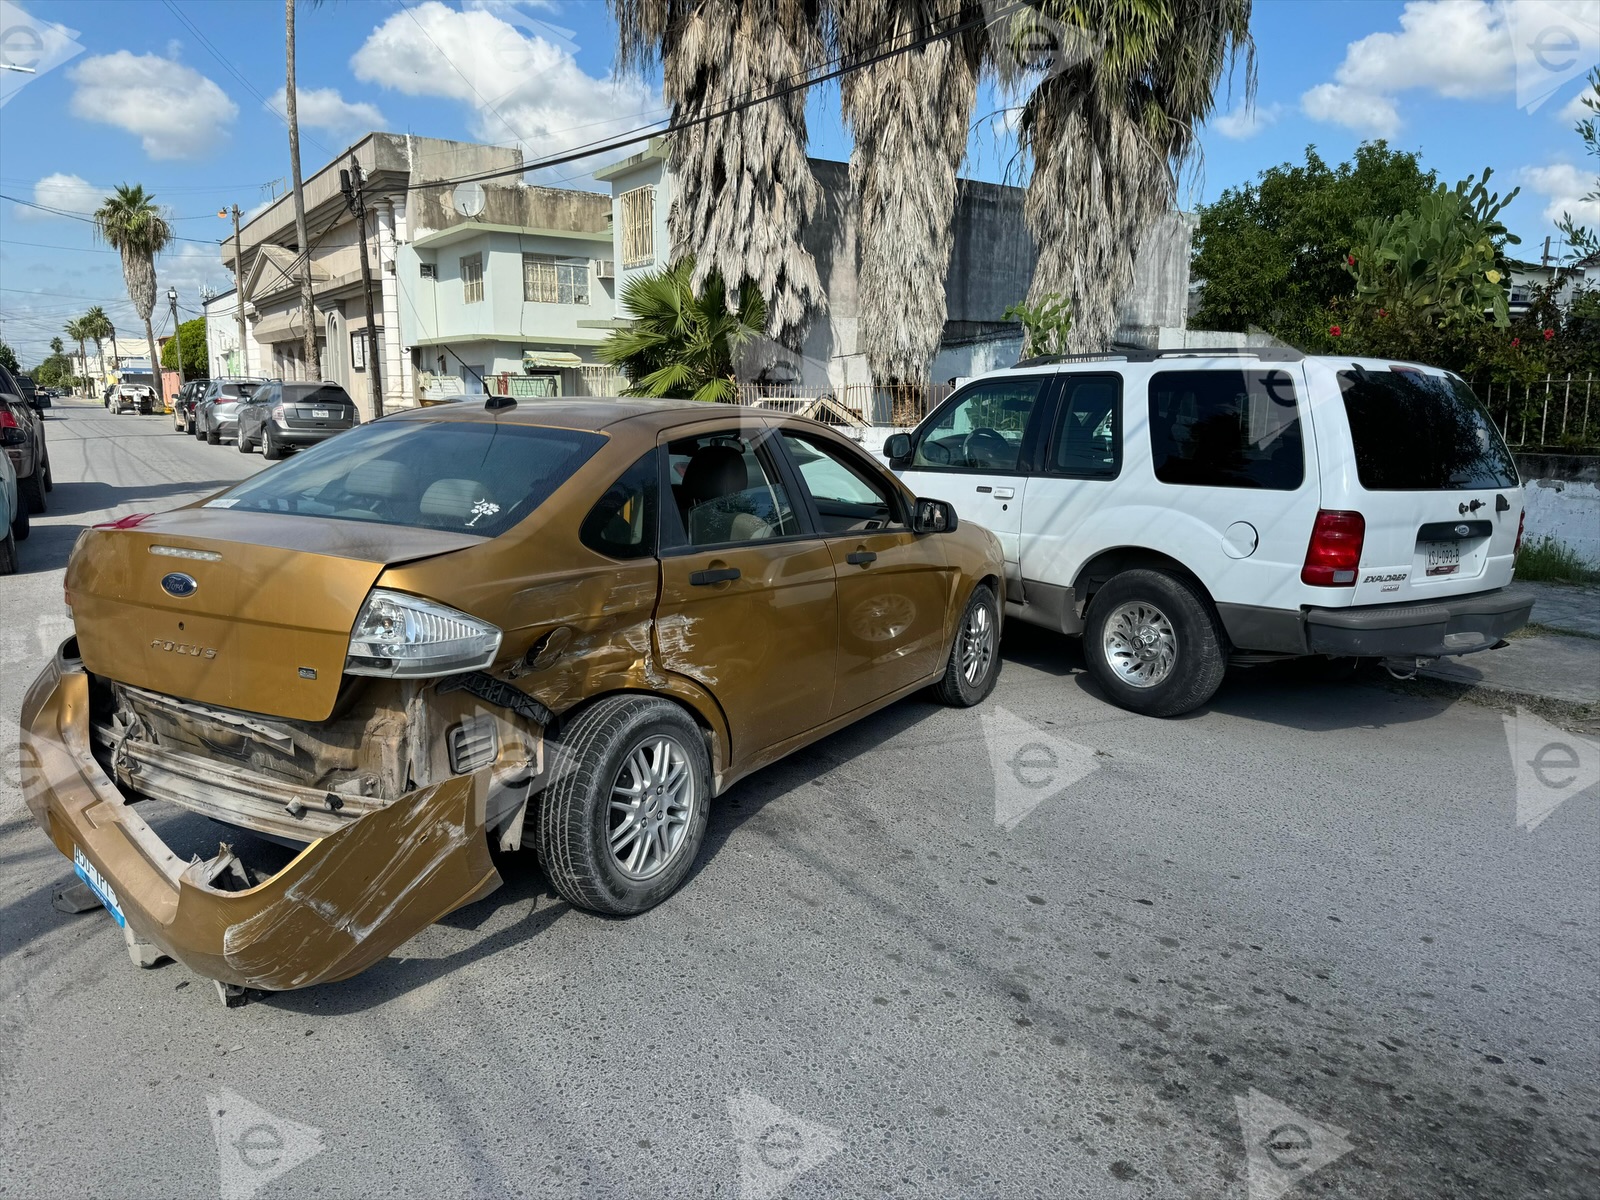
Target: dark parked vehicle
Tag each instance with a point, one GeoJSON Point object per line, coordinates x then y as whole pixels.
{"type": "Point", "coordinates": [22, 438]}
{"type": "Point", "coordinates": [35, 395]}
{"type": "Point", "coordinates": [286, 416]}
{"type": "Point", "coordinates": [183, 404]}
{"type": "Point", "coordinates": [216, 413]}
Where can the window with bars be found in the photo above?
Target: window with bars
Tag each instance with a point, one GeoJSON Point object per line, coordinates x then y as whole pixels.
{"type": "Point", "coordinates": [547, 279]}
{"type": "Point", "coordinates": [472, 279]}
{"type": "Point", "coordinates": [639, 227]}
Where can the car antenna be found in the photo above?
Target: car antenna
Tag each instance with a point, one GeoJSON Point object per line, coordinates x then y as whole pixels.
{"type": "Point", "coordinates": [494, 403]}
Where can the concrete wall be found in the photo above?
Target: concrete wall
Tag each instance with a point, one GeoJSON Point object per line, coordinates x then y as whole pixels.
{"type": "Point", "coordinates": [1562, 500]}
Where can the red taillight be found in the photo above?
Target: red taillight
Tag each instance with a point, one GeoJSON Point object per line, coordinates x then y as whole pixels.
{"type": "Point", "coordinates": [7, 421]}
{"type": "Point", "coordinates": [132, 521]}
{"type": "Point", "coordinates": [1334, 554]}
{"type": "Point", "coordinates": [1522, 520]}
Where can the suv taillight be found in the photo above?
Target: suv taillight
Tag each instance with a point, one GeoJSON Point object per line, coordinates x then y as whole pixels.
{"type": "Point", "coordinates": [1334, 554]}
{"type": "Point", "coordinates": [11, 432]}
{"type": "Point", "coordinates": [277, 413]}
{"type": "Point", "coordinates": [1522, 520]}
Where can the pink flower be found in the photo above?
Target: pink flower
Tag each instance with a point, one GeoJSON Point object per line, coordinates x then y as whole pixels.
{"type": "Point", "coordinates": [1383, 312]}
{"type": "Point", "coordinates": [1548, 334]}
{"type": "Point", "coordinates": [1335, 330]}
{"type": "Point", "coordinates": [1351, 259]}
{"type": "Point", "coordinates": [1515, 342]}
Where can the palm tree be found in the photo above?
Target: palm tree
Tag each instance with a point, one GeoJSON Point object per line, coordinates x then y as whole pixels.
{"type": "Point", "coordinates": [909, 114]}
{"type": "Point", "coordinates": [684, 341]}
{"type": "Point", "coordinates": [131, 224]}
{"type": "Point", "coordinates": [1108, 133]}
{"type": "Point", "coordinates": [99, 328]}
{"type": "Point", "coordinates": [744, 187]}
{"type": "Point", "coordinates": [78, 331]}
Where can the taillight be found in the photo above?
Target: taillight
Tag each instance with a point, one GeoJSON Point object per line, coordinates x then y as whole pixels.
{"type": "Point", "coordinates": [1335, 550]}
{"type": "Point", "coordinates": [132, 521]}
{"type": "Point", "coordinates": [1521, 521]}
{"type": "Point", "coordinates": [277, 413]}
{"type": "Point", "coordinates": [11, 433]}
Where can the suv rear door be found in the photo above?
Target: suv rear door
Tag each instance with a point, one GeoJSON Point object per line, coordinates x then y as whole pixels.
{"type": "Point", "coordinates": [1423, 464]}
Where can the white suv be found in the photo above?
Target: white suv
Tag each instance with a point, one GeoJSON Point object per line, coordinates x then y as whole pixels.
{"type": "Point", "coordinates": [1182, 509]}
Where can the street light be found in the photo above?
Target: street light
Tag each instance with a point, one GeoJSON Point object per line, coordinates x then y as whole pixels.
{"type": "Point", "coordinates": [177, 331]}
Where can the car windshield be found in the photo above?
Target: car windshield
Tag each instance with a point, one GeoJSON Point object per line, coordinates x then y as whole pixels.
{"type": "Point", "coordinates": [465, 476]}
{"type": "Point", "coordinates": [1415, 432]}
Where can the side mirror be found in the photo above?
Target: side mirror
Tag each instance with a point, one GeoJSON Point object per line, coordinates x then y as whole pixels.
{"type": "Point", "coordinates": [898, 449]}
{"type": "Point", "coordinates": [932, 516]}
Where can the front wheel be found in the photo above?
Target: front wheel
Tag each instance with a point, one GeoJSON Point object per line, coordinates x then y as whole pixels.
{"type": "Point", "coordinates": [625, 816]}
{"type": "Point", "coordinates": [974, 663]}
{"type": "Point", "coordinates": [1154, 644]}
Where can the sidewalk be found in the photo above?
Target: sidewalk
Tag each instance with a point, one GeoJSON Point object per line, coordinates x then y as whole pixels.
{"type": "Point", "coordinates": [1556, 658]}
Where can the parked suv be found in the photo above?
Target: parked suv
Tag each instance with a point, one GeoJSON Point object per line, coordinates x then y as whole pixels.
{"type": "Point", "coordinates": [23, 439]}
{"type": "Point", "coordinates": [1181, 510]}
{"type": "Point", "coordinates": [183, 403]}
{"type": "Point", "coordinates": [216, 413]}
{"type": "Point", "coordinates": [289, 416]}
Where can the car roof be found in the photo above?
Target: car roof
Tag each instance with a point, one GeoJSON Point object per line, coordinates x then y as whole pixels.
{"type": "Point", "coordinates": [592, 415]}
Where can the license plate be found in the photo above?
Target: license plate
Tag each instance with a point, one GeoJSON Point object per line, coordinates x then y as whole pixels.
{"type": "Point", "coordinates": [85, 870]}
{"type": "Point", "coordinates": [320, 414]}
{"type": "Point", "coordinates": [1443, 558]}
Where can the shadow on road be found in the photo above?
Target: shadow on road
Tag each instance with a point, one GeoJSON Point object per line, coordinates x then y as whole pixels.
{"type": "Point", "coordinates": [50, 543]}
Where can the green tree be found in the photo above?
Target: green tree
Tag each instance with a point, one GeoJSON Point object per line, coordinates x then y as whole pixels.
{"type": "Point", "coordinates": [8, 360]}
{"type": "Point", "coordinates": [1271, 254]}
{"type": "Point", "coordinates": [1045, 325]}
{"type": "Point", "coordinates": [78, 330]}
{"type": "Point", "coordinates": [683, 343]}
{"type": "Point", "coordinates": [130, 223]}
{"type": "Point", "coordinates": [1585, 241]}
{"type": "Point", "coordinates": [98, 328]}
{"type": "Point", "coordinates": [192, 336]}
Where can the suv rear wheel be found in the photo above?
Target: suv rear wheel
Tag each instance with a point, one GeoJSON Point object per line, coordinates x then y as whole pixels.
{"type": "Point", "coordinates": [621, 825]}
{"type": "Point", "coordinates": [30, 491]}
{"type": "Point", "coordinates": [1154, 644]}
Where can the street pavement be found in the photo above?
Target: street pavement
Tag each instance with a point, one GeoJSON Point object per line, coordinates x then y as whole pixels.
{"type": "Point", "coordinates": [1315, 939]}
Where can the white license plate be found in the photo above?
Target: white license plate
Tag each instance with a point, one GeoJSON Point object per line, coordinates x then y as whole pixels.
{"type": "Point", "coordinates": [86, 871]}
{"type": "Point", "coordinates": [1443, 558]}
{"type": "Point", "coordinates": [320, 414]}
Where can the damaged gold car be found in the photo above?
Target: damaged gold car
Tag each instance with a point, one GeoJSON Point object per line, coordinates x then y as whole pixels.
{"type": "Point", "coordinates": [564, 627]}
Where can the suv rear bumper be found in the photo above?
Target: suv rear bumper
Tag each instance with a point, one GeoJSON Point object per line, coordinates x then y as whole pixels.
{"type": "Point", "coordinates": [1420, 628]}
{"type": "Point", "coordinates": [291, 436]}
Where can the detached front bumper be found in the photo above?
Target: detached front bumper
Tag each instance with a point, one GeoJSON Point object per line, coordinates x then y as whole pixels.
{"type": "Point", "coordinates": [1421, 628]}
{"type": "Point", "coordinates": [344, 902]}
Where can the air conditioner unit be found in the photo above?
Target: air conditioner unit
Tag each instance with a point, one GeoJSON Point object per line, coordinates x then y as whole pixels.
{"type": "Point", "coordinates": [605, 268]}
{"type": "Point", "coordinates": [427, 270]}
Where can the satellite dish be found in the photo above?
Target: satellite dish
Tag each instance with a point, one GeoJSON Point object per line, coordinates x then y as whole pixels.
{"type": "Point", "coordinates": [468, 199]}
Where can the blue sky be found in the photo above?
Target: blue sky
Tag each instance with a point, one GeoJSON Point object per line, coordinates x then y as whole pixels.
{"type": "Point", "coordinates": [178, 95]}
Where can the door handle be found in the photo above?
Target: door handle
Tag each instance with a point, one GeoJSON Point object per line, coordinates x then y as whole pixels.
{"type": "Point", "coordinates": [1004, 493]}
{"type": "Point", "coordinates": [861, 558]}
{"type": "Point", "coordinates": [706, 578]}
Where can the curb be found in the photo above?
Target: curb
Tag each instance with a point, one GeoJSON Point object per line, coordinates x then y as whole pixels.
{"type": "Point", "coordinates": [1576, 716]}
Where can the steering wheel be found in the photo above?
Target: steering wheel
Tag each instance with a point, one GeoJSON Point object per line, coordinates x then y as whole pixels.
{"type": "Point", "coordinates": [992, 449]}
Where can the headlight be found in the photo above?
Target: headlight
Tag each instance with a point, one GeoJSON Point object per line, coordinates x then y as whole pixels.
{"type": "Point", "coordinates": [397, 634]}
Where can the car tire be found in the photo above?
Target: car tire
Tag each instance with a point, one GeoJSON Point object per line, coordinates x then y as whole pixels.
{"type": "Point", "coordinates": [21, 523]}
{"type": "Point", "coordinates": [638, 739]}
{"type": "Point", "coordinates": [177, 423]}
{"type": "Point", "coordinates": [269, 448]}
{"type": "Point", "coordinates": [8, 553]}
{"type": "Point", "coordinates": [974, 662]}
{"type": "Point", "coordinates": [1154, 643]}
{"type": "Point", "coordinates": [214, 436]}
{"type": "Point", "coordinates": [49, 477]}
{"type": "Point", "coordinates": [241, 441]}
{"type": "Point", "coordinates": [30, 492]}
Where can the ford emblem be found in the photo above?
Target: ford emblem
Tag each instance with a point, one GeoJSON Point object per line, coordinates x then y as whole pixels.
{"type": "Point", "coordinates": [178, 584]}
{"type": "Point", "coordinates": [1463, 530]}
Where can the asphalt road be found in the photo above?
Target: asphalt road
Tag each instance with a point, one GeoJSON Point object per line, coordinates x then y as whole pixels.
{"type": "Point", "coordinates": [1298, 942]}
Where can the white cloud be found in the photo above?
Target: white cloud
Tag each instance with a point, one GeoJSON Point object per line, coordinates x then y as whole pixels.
{"type": "Point", "coordinates": [71, 193]}
{"type": "Point", "coordinates": [517, 76]}
{"type": "Point", "coordinates": [1454, 48]}
{"type": "Point", "coordinates": [1576, 110]}
{"type": "Point", "coordinates": [1246, 120]}
{"type": "Point", "coordinates": [1564, 186]}
{"type": "Point", "coordinates": [175, 111]}
{"type": "Point", "coordinates": [325, 108]}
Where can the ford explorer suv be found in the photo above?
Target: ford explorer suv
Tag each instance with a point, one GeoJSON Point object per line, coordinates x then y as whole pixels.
{"type": "Point", "coordinates": [1181, 511]}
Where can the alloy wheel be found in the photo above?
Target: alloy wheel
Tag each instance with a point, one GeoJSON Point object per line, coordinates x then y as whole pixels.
{"type": "Point", "coordinates": [977, 644]}
{"type": "Point", "coordinates": [1140, 644]}
{"type": "Point", "coordinates": [652, 804]}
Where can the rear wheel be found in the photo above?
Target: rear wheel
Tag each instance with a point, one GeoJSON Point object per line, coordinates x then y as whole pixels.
{"type": "Point", "coordinates": [619, 828]}
{"type": "Point", "coordinates": [974, 662]}
{"type": "Point", "coordinates": [21, 524]}
{"type": "Point", "coordinates": [214, 436]}
{"type": "Point", "coordinates": [49, 479]}
{"type": "Point", "coordinates": [8, 553]}
{"type": "Point", "coordinates": [30, 491]}
{"type": "Point", "coordinates": [269, 448]}
{"type": "Point", "coordinates": [1154, 643]}
{"type": "Point", "coordinates": [243, 442]}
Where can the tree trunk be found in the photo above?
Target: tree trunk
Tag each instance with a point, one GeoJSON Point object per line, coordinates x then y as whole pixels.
{"type": "Point", "coordinates": [155, 361]}
{"type": "Point", "coordinates": [291, 110]}
{"type": "Point", "coordinates": [83, 355]}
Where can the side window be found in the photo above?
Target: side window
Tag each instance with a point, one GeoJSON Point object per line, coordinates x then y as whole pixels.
{"type": "Point", "coordinates": [1087, 442]}
{"type": "Point", "coordinates": [847, 497]}
{"type": "Point", "coordinates": [982, 430]}
{"type": "Point", "coordinates": [725, 489]}
{"type": "Point", "coordinates": [622, 524]}
{"type": "Point", "coordinates": [1236, 429]}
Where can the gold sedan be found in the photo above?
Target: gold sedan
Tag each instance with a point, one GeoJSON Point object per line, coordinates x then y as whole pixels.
{"type": "Point", "coordinates": [566, 627]}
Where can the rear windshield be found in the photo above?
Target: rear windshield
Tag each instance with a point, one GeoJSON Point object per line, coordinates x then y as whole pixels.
{"type": "Point", "coordinates": [461, 476]}
{"type": "Point", "coordinates": [328, 393]}
{"type": "Point", "coordinates": [235, 391]}
{"type": "Point", "coordinates": [1422, 433]}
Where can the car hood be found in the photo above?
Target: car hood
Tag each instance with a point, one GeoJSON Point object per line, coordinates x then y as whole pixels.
{"type": "Point", "coordinates": [260, 619]}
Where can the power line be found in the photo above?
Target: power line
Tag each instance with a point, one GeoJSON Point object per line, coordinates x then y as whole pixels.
{"type": "Point", "coordinates": [62, 212]}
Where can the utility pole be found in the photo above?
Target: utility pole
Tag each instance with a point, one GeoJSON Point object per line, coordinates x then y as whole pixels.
{"type": "Point", "coordinates": [291, 110]}
{"type": "Point", "coordinates": [238, 290]}
{"type": "Point", "coordinates": [350, 183]}
{"type": "Point", "coordinates": [177, 332]}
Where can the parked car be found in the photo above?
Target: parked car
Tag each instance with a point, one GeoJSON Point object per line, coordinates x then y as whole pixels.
{"type": "Point", "coordinates": [566, 627]}
{"type": "Point", "coordinates": [13, 517]}
{"type": "Point", "coordinates": [216, 413]}
{"type": "Point", "coordinates": [183, 403]}
{"type": "Point", "coordinates": [22, 434]}
{"type": "Point", "coordinates": [1182, 510]}
{"type": "Point", "coordinates": [35, 395]}
{"type": "Point", "coordinates": [281, 417]}
{"type": "Point", "coordinates": [138, 398]}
